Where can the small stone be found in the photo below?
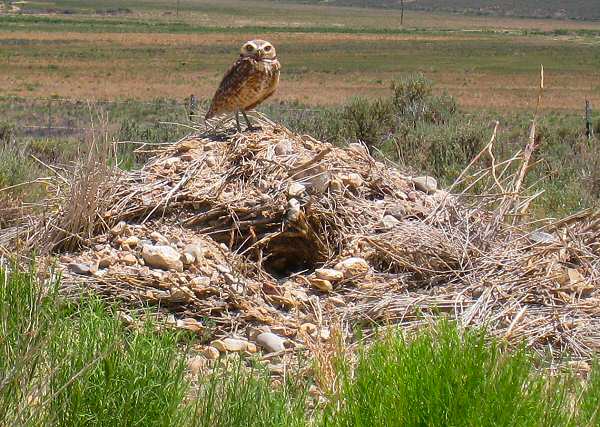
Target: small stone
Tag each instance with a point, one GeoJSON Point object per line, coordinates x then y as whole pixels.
{"type": "Point", "coordinates": [427, 184]}
{"type": "Point", "coordinates": [107, 261]}
{"type": "Point", "coordinates": [543, 237]}
{"type": "Point", "coordinates": [338, 302]}
{"type": "Point", "coordinates": [171, 161]}
{"type": "Point", "coordinates": [283, 147]}
{"type": "Point", "coordinates": [351, 267]}
{"type": "Point", "coordinates": [272, 343]}
{"type": "Point", "coordinates": [129, 259]}
{"type": "Point", "coordinates": [352, 180]}
{"type": "Point", "coordinates": [190, 324]}
{"type": "Point", "coordinates": [396, 211]}
{"type": "Point", "coordinates": [83, 268]}
{"type": "Point", "coordinates": [162, 256]}
{"type": "Point", "coordinates": [132, 241]}
{"type": "Point", "coordinates": [196, 364]}
{"type": "Point", "coordinates": [329, 274]}
{"type": "Point", "coordinates": [221, 268]}
{"type": "Point", "coordinates": [322, 285]}
{"type": "Point", "coordinates": [210, 161]}
{"type": "Point", "coordinates": [200, 282]}
{"type": "Point", "coordinates": [159, 238]}
{"type": "Point", "coordinates": [187, 258]}
{"type": "Point", "coordinates": [300, 295]}
{"type": "Point", "coordinates": [296, 189]}
{"type": "Point", "coordinates": [251, 348]}
{"type": "Point", "coordinates": [195, 250]}
{"type": "Point", "coordinates": [389, 221]}
{"type": "Point", "coordinates": [181, 294]}
{"type": "Point", "coordinates": [210, 352]}
{"type": "Point", "coordinates": [118, 229]}
{"type": "Point", "coordinates": [230, 345]}
{"type": "Point", "coordinates": [294, 210]}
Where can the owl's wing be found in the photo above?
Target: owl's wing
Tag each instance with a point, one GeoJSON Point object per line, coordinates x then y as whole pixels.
{"type": "Point", "coordinates": [231, 84]}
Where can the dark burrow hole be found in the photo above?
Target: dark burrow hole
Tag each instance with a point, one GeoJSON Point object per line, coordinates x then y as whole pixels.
{"type": "Point", "coordinates": [289, 254]}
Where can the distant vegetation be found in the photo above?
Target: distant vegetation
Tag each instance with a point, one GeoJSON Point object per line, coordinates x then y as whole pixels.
{"type": "Point", "coordinates": [556, 9]}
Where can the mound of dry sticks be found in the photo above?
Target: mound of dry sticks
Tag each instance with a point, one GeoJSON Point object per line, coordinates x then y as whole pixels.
{"type": "Point", "coordinates": [234, 235]}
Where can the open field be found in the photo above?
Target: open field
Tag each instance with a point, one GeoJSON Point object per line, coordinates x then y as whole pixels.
{"type": "Point", "coordinates": [574, 9]}
{"type": "Point", "coordinates": [492, 71]}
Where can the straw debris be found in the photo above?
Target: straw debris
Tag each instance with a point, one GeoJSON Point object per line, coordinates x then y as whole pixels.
{"type": "Point", "coordinates": [253, 215]}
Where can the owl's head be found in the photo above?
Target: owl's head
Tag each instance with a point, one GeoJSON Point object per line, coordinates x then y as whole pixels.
{"type": "Point", "coordinates": [258, 49]}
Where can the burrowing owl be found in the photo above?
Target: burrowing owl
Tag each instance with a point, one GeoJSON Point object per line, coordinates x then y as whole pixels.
{"type": "Point", "coordinates": [250, 80]}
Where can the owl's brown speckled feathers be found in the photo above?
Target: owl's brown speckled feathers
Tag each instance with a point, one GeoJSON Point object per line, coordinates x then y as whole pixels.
{"type": "Point", "coordinates": [250, 80]}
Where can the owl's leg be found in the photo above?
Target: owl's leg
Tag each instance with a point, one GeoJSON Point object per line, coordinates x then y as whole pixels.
{"type": "Point", "coordinates": [250, 127]}
{"type": "Point", "coordinates": [237, 121]}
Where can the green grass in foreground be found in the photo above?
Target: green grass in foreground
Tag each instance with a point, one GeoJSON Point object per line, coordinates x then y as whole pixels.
{"type": "Point", "coordinates": [76, 364]}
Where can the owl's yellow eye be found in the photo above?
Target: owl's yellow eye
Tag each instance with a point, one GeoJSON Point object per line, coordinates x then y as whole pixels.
{"type": "Point", "coordinates": [249, 48]}
{"type": "Point", "coordinates": [267, 48]}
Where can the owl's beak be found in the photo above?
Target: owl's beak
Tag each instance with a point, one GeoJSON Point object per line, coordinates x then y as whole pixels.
{"type": "Point", "coordinates": [260, 53]}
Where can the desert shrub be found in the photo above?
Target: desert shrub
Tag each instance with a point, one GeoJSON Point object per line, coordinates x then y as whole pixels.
{"type": "Point", "coordinates": [368, 121]}
{"type": "Point", "coordinates": [7, 133]}
{"type": "Point", "coordinates": [16, 166]}
{"type": "Point", "coordinates": [414, 101]}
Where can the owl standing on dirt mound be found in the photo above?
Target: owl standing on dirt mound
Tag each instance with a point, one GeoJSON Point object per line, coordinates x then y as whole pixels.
{"type": "Point", "coordinates": [250, 80]}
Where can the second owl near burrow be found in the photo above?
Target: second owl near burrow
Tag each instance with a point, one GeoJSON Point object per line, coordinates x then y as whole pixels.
{"type": "Point", "coordinates": [248, 82]}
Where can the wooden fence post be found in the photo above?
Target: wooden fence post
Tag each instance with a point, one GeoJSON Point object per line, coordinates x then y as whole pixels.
{"type": "Point", "coordinates": [49, 115]}
{"type": "Point", "coordinates": [401, 12]}
{"type": "Point", "coordinates": [589, 128]}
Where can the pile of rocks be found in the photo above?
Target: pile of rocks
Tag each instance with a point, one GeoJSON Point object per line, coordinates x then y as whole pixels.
{"type": "Point", "coordinates": [256, 241]}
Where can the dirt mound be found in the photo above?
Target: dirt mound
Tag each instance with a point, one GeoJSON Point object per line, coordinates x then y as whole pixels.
{"type": "Point", "coordinates": [274, 232]}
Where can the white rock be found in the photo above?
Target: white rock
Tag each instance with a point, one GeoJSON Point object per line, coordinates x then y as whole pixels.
{"type": "Point", "coordinates": [162, 256]}
{"type": "Point", "coordinates": [283, 147]}
{"type": "Point", "coordinates": [83, 268]}
{"type": "Point", "coordinates": [329, 274]}
{"type": "Point", "coordinates": [543, 237]}
{"type": "Point", "coordinates": [270, 342]}
{"type": "Point", "coordinates": [322, 285]}
{"type": "Point", "coordinates": [389, 221]}
{"type": "Point", "coordinates": [210, 353]}
{"type": "Point", "coordinates": [296, 189]}
{"type": "Point", "coordinates": [427, 184]}
{"type": "Point", "coordinates": [129, 259]}
{"type": "Point", "coordinates": [352, 180]}
{"type": "Point", "coordinates": [200, 282]}
{"type": "Point", "coordinates": [351, 267]}
{"type": "Point", "coordinates": [231, 345]}
{"type": "Point", "coordinates": [118, 229]}
{"type": "Point", "coordinates": [196, 364]}
{"type": "Point", "coordinates": [132, 241]}
{"type": "Point", "coordinates": [195, 250]}
{"type": "Point", "coordinates": [180, 294]}
{"type": "Point", "coordinates": [159, 238]}
{"type": "Point", "coordinates": [107, 261]}
{"type": "Point", "coordinates": [187, 258]}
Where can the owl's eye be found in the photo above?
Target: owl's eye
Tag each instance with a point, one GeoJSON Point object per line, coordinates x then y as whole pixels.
{"type": "Point", "coordinates": [249, 48]}
{"type": "Point", "coordinates": [267, 48]}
